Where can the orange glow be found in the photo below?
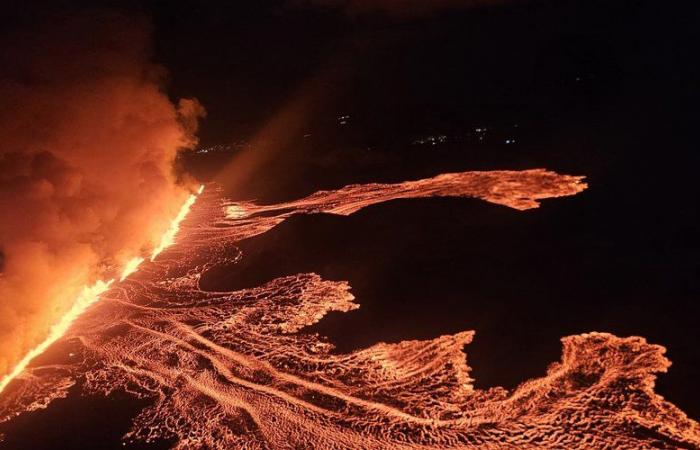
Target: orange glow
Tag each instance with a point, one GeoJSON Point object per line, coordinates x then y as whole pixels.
{"type": "Point", "coordinates": [168, 238]}
{"type": "Point", "coordinates": [236, 211]}
{"type": "Point", "coordinates": [131, 267]}
{"type": "Point", "coordinates": [241, 369]}
{"type": "Point", "coordinates": [91, 294]}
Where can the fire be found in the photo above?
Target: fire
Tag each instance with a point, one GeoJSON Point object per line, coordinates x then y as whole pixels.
{"type": "Point", "coordinates": [168, 238]}
{"type": "Point", "coordinates": [91, 294]}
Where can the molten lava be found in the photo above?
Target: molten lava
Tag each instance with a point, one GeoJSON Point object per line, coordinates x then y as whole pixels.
{"type": "Point", "coordinates": [91, 294]}
{"type": "Point", "coordinates": [168, 238]}
{"type": "Point", "coordinates": [227, 370]}
{"type": "Point", "coordinates": [131, 266]}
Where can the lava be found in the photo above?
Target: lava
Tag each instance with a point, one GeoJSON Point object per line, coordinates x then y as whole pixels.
{"type": "Point", "coordinates": [86, 298]}
{"type": "Point", "coordinates": [131, 266]}
{"type": "Point", "coordinates": [91, 294]}
{"type": "Point", "coordinates": [168, 238]}
{"type": "Point", "coordinates": [237, 370]}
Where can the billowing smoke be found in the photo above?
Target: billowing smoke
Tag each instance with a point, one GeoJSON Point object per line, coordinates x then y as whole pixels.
{"type": "Point", "coordinates": [88, 141]}
{"type": "Point", "coordinates": [400, 8]}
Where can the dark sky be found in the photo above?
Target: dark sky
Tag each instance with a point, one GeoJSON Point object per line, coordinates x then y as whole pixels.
{"type": "Point", "coordinates": [552, 59]}
{"type": "Point", "coordinates": [555, 60]}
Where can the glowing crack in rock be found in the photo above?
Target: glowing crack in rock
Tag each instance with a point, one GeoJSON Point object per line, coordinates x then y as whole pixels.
{"type": "Point", "coordinates": [91, 294]}
{"type": "Point", "coordinates": [235, 369]}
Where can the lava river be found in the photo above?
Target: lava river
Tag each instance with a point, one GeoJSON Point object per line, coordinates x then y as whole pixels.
{"type": "Point", "coordinates": [227, 370]}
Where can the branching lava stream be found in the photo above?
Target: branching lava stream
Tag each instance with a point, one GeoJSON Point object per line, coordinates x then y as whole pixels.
{"type": "Point", "coordinates": [229, 370]}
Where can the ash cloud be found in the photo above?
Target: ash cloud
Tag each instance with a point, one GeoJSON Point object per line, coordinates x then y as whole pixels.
{"type": "Point", "coordinates": [87, 149]}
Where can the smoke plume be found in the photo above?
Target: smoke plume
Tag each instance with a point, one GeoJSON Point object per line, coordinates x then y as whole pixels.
{"type": "Point", "coordinates": [89, 139]}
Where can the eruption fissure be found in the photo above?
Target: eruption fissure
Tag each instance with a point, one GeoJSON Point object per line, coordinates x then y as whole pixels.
{"type": "Point", "coordinates": [131, 267]}
{"type": "Point", "coordinates": [91, 294]}
{"type": "Point", "coordinates": [168, 238]}
{"type": "Point", "coordinates": [88, 297]}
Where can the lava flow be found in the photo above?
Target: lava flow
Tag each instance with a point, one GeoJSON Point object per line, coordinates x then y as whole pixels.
{"type": "Point", "coordinates": [86, 298]}
{"type": "Point", "coordinates": [91, 294]}
{"type": "Point", "coordinates": [236, 369]}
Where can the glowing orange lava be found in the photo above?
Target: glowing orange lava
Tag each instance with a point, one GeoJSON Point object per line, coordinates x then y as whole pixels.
{"type": "Point", "coordinates": [91, 294]}
{"type": "Point", "coordinates": [131, 266]}
{"type": "Point", "coordinates": [227, 370]}
{"type": "Point", "coordinates": [168, 238]}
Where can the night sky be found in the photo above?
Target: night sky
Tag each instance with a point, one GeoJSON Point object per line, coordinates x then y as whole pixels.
{"type": "Point", "coordinates": [606, 89]}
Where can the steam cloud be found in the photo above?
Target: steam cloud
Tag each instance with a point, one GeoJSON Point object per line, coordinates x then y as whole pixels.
{"type": "Point", "coordinates": [89, 141]}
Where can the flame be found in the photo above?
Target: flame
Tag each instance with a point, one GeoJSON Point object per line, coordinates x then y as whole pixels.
{"type": "Point", "coordinates": [168, 238]}
{"type": "Point", "coordinates": [91, 294]}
